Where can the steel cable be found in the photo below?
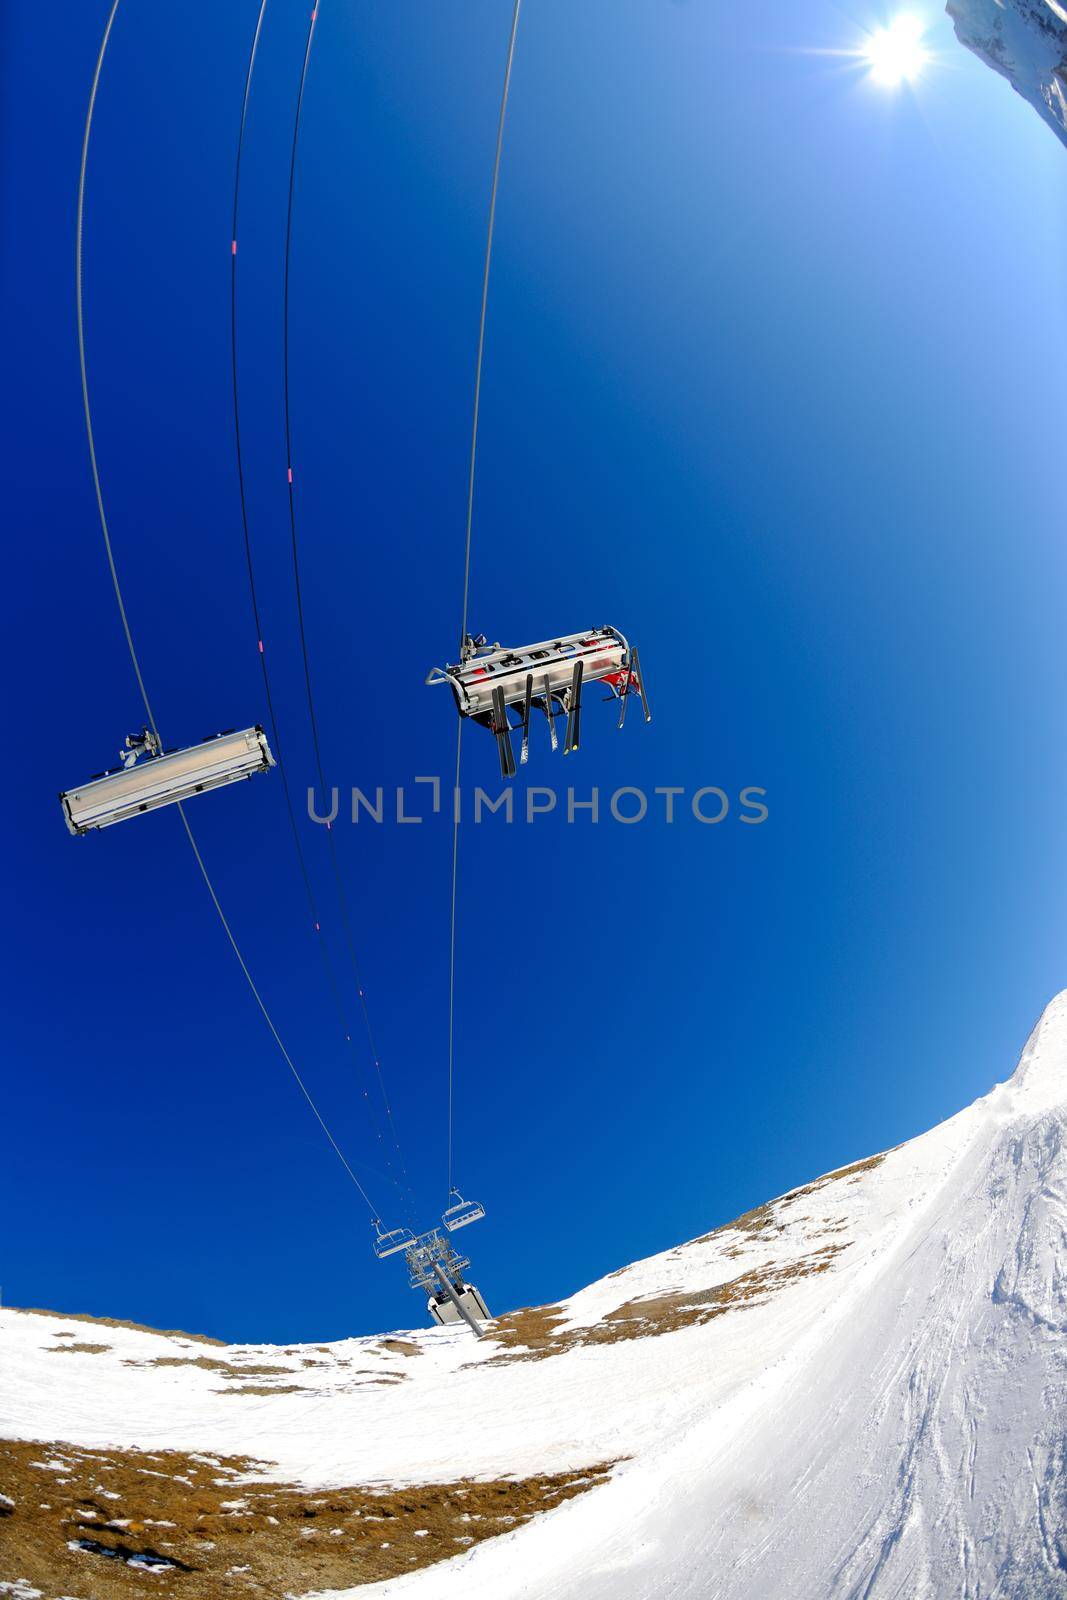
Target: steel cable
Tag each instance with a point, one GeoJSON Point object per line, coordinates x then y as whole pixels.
{"type": "Point", "coordinates": [467, 577]}
{"type": "Point", "coordinates": [342, 898]}
{"type": "Point", "coordinates": [316, 921]}
{"type": "Point", "coordinates": [116, 585]}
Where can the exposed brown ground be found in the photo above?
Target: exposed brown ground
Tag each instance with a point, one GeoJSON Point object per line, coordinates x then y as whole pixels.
{"type": "Point", "coordinates": [236, 1374]}
{"type": "Point", "coordinates": [114, 1322]}
{"type": "Point", "coordinates": [230, 1369]}
{"type": "Point", "coordinates": [766, 1219]}
{"type": "Point", "coordinates": [265, 1388]}
{"type": "Point", "coordinates": [850, 1174]}
{"type": "Point", "coordinates": [195, 1528]}
{"type": "Point", "coordinates": [535, 1332]}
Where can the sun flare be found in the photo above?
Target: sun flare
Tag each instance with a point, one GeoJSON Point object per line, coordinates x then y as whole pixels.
{"type": "Point", "coordinates": [896, 54]}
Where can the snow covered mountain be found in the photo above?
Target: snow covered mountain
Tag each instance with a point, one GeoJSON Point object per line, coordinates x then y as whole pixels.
{"type": "Point", "coordinates": [858, 1389]}
{"type": "Point", "coordinates": [1026, 42]}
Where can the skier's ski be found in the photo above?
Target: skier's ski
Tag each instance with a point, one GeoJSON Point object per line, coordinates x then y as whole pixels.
{"type": "Point", "coordinates": [574, 711]}
{"type": "Point", "coordinates": [549, 713]}
{"type": "Point", "coordinates": [502, 730]}
{"type": "Point", "coordinates": [525, 752]}
{"type": "Point", "coordinates": [625, 690]}
{"type": "Point", "coordinates": [641, 685]}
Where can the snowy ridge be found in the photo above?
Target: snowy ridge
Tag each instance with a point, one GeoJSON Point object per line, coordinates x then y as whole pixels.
{"type": "Point", "coordinates": [856, 1390]}
{"type": "Point", "coordinates": [1026, 42]}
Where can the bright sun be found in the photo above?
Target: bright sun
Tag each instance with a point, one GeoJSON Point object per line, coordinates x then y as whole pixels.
{"type": "Point", "coordinates": [896, 54]}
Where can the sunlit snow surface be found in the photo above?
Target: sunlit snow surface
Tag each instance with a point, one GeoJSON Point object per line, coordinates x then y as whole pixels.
{"type": "Point", "coordinates": [1026, 42]}
{"type": "Point", "coordinates": [890, 1426]}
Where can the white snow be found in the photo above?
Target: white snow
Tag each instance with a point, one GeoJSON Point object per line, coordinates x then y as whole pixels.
{"type": "Point", "coordinates": [1026, 42]}
{"type": "Point", "coordinates": [891, 1426]}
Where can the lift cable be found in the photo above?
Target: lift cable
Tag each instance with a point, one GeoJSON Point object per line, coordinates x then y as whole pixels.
{"type": "Point", "coordinates": [342, 898]}
{"type": "Point", "coordinates": [320, 937]}
{"type": "Point", "coordinates": [467, 579]}
{"type": "Point", "coordinates": [481, 322]}
{"type": "Point", "coordinates": [125, 619]}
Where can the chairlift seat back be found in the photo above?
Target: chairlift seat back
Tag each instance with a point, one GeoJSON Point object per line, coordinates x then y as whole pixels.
{"type": "Point", "coordinates": [463, 1213]}
{"type": "Point", "coordinates": [394, 1240]}
{"type": "Point", "coordinates": [164, 780]}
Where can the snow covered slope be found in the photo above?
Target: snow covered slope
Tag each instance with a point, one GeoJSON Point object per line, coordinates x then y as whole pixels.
{"type": "Point", "coordinates": [1026, 42]}
{"type": "Point", "coordinates": [857, 1390]}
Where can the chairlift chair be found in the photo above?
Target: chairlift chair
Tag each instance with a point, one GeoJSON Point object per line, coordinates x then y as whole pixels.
{"type": "Point", "coordinates": [461, 1212]}
{"type": "Point", "coordinates": [387, 1242]}
{"type": "Point", "coordinates": [151, 777]}
{"type": "Point", "coordinates": [489, 680]}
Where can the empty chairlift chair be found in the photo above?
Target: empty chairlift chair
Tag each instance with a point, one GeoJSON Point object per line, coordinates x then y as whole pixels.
{"type": "Point", "coordinates": [461, 1212]}
{"type": "Point", "coordinates": [489, 680]}
{"type": "Point", "coordinates": [151, 777]}
{"type": "Point", "coordinates": [388, 1242]}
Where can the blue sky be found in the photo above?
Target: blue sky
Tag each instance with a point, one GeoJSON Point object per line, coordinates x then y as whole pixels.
{"type": "Point", "coordinates": [769, 384]}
